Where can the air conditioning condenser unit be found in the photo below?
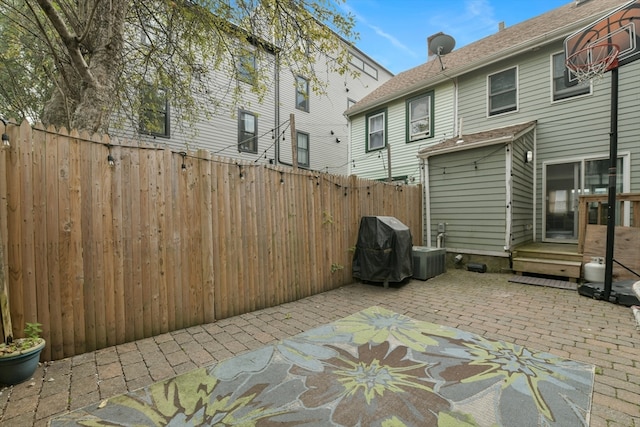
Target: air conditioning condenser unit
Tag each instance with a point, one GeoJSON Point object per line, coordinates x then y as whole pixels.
{"type": "Point", "coordinates": [428, 262]}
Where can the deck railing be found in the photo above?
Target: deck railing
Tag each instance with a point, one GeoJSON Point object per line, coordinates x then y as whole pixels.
{"type": "Point", "coordinates": [592, 209]}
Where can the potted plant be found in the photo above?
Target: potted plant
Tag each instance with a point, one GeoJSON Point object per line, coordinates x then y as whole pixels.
{"type": "Point", "coordinates": [19, 358]}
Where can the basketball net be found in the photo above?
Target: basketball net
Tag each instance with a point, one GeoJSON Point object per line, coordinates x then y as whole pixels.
{"type": "Point", "coordinates": [590, 63]}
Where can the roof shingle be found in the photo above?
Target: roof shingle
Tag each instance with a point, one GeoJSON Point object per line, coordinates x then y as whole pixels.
{"type": "Point", "coordinates": [504, 134]}
{"type": "Point", "coordinates": [550, 26]}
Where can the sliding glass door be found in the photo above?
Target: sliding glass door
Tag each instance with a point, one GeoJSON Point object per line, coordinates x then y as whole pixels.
{"type": "Point", "coordinates": [562, 192]}
{"type": "Point", "coordinates": [565, 183]}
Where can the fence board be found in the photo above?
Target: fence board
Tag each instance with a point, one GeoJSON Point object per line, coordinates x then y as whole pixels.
{"type": "Point", "coordinates": [154, 244]}
{"type": "Point", "coordinates": [88, 249]}
{"type": "Point", "coordinates": [54, 250]}
{"type": "Point", "coordinates": [164, 167]}
{"type": "Point", "coordinates": [179, 222]}
{"type": "Point", "coordinates": [283, 273]}
{"type": "Point", "coordinates": [138, 243]}
{"type": "Point", "coordinates": [104, 255]}
{"type": "Point", "coordinates": [145, 242]}
{"type": "Point", "coordinates": [7, 329]}
{"type": "Point", "coordinates": [14, 228]}
{"type": "Point", "coordinates": [107, 240]}
{"type": "Point", "coordinates": [65, 309]}
{"type": "Point", "coordinates": [98, 242]}
{"type": "Point", "coordinates": [206, 238]}
{"type": "Point", "coordinates": [195, 246]}
{"type": "Point", "coordinates": [185, 212]}
{"type": "Point", "coordinates": [28, 249]}
{"type": "Point", "coordinates": [117, 263]}
{"type": "Point", "coordinates": [75, 270]}
{"type": "Point", "coordinates": [40, 222]}
{"type": "Point", "coordinates": [249, 240]}
{"type": "Point", "coordinates": [266, 236]}
{"type": "Point", "coordinates": [27, 234]}
{"type": "Point", "coordinates": [128, 218]}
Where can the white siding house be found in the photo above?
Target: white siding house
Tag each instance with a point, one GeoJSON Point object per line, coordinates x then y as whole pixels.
{"type": "Point", "coordinates": [258, 129]}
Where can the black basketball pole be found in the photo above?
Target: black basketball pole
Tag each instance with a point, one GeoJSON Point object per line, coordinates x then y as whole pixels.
{"type": "Point", "coordinates": [613, 166]}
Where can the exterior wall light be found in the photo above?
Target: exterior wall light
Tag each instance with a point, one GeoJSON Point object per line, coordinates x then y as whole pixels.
{"type": "Point", "coordinates": [5, 137]}
{"type": "Point", "coordinates": [528, 156]}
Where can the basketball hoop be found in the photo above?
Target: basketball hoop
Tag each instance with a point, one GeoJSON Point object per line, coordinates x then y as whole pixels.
{"type": "Point", "coordinates": [592, 62]}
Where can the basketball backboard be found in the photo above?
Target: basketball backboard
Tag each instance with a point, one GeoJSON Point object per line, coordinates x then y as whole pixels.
{"type": "Point", "coordinates": [618, 27]}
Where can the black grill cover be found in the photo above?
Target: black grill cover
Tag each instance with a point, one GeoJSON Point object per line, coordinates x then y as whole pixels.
{"type": "Point", "coordinates": [384, 250]}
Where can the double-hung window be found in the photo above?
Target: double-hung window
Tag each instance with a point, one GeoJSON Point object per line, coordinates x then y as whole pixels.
{"type": "Point", "coordinates": [503, 91]}
{"type": "Point", "coordinates": [154, 112]}
{"type": "Point", "coordinates": [419, 111]}
{"type": "Point", "coordinates": [247, 132]}
{"type": "Point", "coordinates": [376, 130]}
{"type": "Point", "coordinates": [246, 66]}
{"type": "Point", "coordinates": [302, 93]}
{"type": "Point", "coordinates": [562, 87]}
{"type": "Point", "coordinates": [303, 148]}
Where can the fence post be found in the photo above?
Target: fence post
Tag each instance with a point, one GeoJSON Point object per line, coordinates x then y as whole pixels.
{"type": "Point", "coordinates": [4, 297]}
{"type": "Point", "coordinates": [5, 313]}
{"type": "Point", "coordinates": [294, 141]}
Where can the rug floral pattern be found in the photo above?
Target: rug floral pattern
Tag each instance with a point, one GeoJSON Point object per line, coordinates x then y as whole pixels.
{"type": "Point", "coordinates": [373, 368]}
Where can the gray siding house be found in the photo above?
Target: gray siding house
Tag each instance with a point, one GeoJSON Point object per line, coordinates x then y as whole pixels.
{"type": "Point", "coordinates": [511, 145]}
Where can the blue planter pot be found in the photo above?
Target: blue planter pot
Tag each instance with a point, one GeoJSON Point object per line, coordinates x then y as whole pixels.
{"type": "Point", "coordinates": [19, 367]}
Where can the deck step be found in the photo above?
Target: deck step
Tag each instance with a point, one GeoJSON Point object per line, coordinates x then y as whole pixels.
{"type": "Point", "coordinates": [551, 267]}
{"type": "Point", "coordinates": [552, 255]}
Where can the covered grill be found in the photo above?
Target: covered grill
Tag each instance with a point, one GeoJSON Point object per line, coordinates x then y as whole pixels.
{"type": "Point", "coordinates": [384, 250]}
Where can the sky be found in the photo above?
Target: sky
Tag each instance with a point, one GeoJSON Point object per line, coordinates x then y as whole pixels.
{"type": "Point", "coordinates": [394, 32]}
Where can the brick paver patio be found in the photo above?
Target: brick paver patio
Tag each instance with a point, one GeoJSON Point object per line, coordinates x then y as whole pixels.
{"type": "Point", "coordinates": [548, 319]}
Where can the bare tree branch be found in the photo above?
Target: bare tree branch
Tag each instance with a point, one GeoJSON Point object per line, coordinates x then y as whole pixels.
{"type": "Point", "coordinates": [71, 42]}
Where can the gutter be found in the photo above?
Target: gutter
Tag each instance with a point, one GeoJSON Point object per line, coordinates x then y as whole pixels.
{"type": "Point", "coordinates": [471, 145]}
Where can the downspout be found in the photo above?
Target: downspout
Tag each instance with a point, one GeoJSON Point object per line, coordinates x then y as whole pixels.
{"type": "Point", "coordinates": [456, 131]}
{"type": "Point", "coordinates": [276, 107]}
{"type": "Point", "coordinates": [508, 195]}
{"type": "Point", "coordinates": [349, 164]}
{"type": "Point", "coordinates": [535, 186]}
{"type": "Point", "coordinates": [427, 201]}
{"type": "Point", "coordinates": [277, 84]}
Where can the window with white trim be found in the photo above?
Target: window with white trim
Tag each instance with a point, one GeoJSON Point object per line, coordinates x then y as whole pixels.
{"type": "Point", "coordinates": [247, 132]}
{"type": "Point", "coordinates": [419, 115]}
{"type": "Point", "coordinates": [246, 66]}
{"type": "Point", "coordinates": [376, 131]}
{"type": "Point", "coordinates": [154, 112]}
{"type": "Point", "coordinates": [562, 87]}
{"type": "Point", "coordinates": [302, 93]}
{"type": "Point", "coordinates": [503, 91]}
{"type": "Point", "coordinates": [302, 139]}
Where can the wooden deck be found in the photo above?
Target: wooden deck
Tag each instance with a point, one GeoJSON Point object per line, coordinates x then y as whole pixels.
{"type": "Point", "coordinates": [549, 259]}
{"type": "Point", "coordinates": [566, 259]}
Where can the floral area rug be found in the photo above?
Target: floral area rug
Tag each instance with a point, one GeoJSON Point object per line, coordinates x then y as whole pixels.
{"type": "Point", "coordinates": [373, 368]}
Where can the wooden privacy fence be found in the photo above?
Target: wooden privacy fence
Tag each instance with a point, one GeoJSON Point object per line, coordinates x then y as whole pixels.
{"type": "Point", "coordinates": [101, 255]}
